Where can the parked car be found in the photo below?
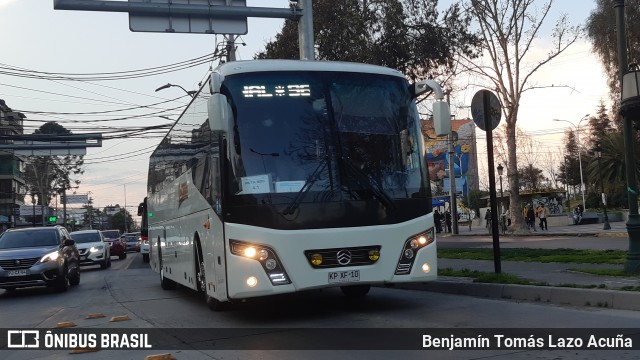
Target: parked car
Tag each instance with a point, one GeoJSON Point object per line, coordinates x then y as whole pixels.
{"type": "Point", "coordinates": [144, 250]}
{"type": "Point", "coordinates": [117, 247]}
{"type": "Point", "coordinates": [132, 240]}
{"type": "Point", "coordinates": [44, 256]}
{"type": "Point", "coordinates": [92, 248]}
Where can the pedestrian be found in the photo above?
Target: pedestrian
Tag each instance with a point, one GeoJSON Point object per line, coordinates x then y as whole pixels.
{"type": "Point", "coordinates": [487, 218]}
{"type": "Point", "coordinates": [542, 214]}
{"type": "Point", "coordinates": [447, 220]}
{"type": "Point", "coordinates": [577, 215]}
{"type": "Point", "coordinates": [531, 218]}
{"type": "Point", "coordinates": [437, 219]}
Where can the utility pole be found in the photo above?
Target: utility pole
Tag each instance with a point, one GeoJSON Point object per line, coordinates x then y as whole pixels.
{"type": "Point", "coordinates": [126, 229]}
{"type": "Point", "coordinates": [231, 47]}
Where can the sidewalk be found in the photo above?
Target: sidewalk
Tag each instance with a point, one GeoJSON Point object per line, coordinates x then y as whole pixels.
{"type": "Point", "coordinates": [618, 229]}
{"type": "Point", "coordinates": [565, 285]}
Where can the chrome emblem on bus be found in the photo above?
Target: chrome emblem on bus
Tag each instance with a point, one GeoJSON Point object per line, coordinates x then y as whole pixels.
{"type": "Point", "coordinates": [344, 257]}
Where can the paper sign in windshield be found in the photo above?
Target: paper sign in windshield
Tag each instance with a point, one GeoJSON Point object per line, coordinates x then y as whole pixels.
{"type": "Point", "coordinates": [258, 184]}
{"type": "Point", "coordinates": [289, 186]}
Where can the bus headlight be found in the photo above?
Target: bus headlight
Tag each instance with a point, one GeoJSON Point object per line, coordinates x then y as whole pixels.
{"type": "Point", "coordinates": [265, 256]}
{"type": "Point", "coordinates": [249, 251]}
{"type": "Point", "coordinates": [411, 247]}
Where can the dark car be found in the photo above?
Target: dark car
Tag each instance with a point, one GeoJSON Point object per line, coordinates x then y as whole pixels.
{"type": "Point", "coordinates": [92, 247]}
{"type": "Point", "coordinates": [132, 240]}
{"type": "Point", "coordinates": [44, 256]}
{"type": "Point", "coordinates": [116, 245]}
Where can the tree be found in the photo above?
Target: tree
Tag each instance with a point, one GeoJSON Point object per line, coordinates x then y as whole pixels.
{"type": "Point", "coordinates": [508, 29]}
{"type": "Point", "coordinates": [122, 221]}
{"type": "Point", "coordinates": [50, 175]}
{"type": "Point", "coordinates": [549, 162]}
{"type": "Point", "coordinates": [531, 178]}
{"type": "Point", "coordinates": [600, 30]}
{"type": "Point", "coordinates": [612, 166]}
{"type": "Point", "coordinates": [569, 170]}
{"type": "Point", "coordinates": [599, 126]}
{"type": "Point", "coordinates": [407, 35]}
{"type": "Point", "coordinates": [475, 199]}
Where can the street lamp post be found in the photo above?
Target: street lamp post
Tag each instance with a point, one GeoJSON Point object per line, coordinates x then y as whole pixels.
{"type": "Point", "coordinates": [607, 226]}
{"type": "Point", "coordinates": [582, 189]}
{"type": "Point", "coordinates": [190, 92]}
{"type": "Point", "coordinates": [630, 111]}
{"type": "Point", "coordinates": [500, 170]}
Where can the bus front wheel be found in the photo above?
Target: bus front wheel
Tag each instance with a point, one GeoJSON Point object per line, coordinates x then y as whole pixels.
{"type": "Point", "coordinates": [355, 291]}
{"type": "Point", "coordinates": [216, 305]}
{"type": "Point", "coordinates": [166, 284]}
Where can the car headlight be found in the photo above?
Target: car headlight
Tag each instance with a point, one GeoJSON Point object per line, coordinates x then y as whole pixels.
{"type": "Point", "coordinates": [96, 248]}
{"type": "Point", "coordinates": [50, 257]}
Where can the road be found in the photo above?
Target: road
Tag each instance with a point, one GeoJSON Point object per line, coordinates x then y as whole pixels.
{"type": "Point", "coordinates": [130, 289]}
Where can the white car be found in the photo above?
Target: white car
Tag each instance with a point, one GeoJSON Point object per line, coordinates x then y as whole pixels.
{"type": "Point", "coordinates": [92, 248]}
{"type": "Point", "coordinates": [144, 250]}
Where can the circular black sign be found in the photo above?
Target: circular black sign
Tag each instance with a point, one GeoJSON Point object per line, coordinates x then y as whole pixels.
{"type": "Point", "coordinates": [478, 109]}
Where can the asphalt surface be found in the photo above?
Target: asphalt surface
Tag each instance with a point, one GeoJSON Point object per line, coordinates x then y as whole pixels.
{"type": "Point", "coordinates": [561, 283]}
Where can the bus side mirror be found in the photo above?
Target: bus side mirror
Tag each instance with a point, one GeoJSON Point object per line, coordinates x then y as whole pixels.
{"type": "Point", "coordinates": [219, 113]}
{"type": "Point", "coordinates": [141, 209]}
{"type": "Point", "coordinates": [441, 113]}
{"type": "Point", "coordinates": [441, 118]}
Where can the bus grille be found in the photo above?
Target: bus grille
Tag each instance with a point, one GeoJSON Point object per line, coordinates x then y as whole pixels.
{"type": "Point", "coordinates": [341, 257]}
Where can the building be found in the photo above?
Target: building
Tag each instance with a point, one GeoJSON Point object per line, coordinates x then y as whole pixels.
{"type": "Point", "coordinates": [12, 184]}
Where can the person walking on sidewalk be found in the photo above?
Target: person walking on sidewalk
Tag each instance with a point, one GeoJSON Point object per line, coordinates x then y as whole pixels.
{"type": "Point", "coordinates": [542, 214]}
{"type": "Point", "coordinates": [447, 220]}
{"type": "Point", "coordinates": [531, 218]}
{"type": "Point", "coordinates": [437, 219]}
{"type": "Point", "coordinates": [487, 219]}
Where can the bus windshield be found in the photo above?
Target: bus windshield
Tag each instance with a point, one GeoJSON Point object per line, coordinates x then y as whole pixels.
{"type": "Point", "coordinates": [315, 137]}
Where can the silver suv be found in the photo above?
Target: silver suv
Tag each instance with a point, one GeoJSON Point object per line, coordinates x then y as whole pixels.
{"type": "Point", "coordinates": [44, 256]}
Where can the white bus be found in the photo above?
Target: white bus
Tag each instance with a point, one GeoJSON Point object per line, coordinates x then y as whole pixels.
{"type": "Point", "coordinates": [282, 176]}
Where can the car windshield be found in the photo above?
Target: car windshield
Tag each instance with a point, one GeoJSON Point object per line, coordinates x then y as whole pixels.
{"type": "Point", "coordinates": [86, 237]}
{"type": "Point", "coordinates": [28, 238]}
{"type": "Point", "coordinates": [111, 234]}
{"type": "Point", "coordinates": [131, 238]}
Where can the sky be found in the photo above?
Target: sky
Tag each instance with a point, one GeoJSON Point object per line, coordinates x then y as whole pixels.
{"type": "Point", "coordinates": [37, 37]}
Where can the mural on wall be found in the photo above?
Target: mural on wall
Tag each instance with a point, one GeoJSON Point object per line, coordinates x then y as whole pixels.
{"type": "Point", "coordinates": [465, 166]}
{"type": "Point", "coordinates": [552, 202]}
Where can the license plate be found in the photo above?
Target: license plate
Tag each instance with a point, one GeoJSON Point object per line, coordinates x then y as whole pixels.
{"type": "Point", "coordinates": [344, 276]}
{"type": "Point", "coordinates": [20, 272]}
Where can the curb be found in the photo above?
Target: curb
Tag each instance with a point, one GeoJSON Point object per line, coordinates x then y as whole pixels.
{"type": "Point", "coordinates": [610, 299]}
{"type": "Point", "coordinates": [581, 234]}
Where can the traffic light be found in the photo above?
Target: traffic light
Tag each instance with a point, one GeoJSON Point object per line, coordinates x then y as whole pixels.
{"type": "Point", "coordinates": [53, 219]}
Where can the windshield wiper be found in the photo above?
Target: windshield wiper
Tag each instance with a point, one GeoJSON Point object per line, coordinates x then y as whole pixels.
{"type": "Point", "coordinates": [291, 208]}
{"type": "Point", "coordinates": [365, 180]}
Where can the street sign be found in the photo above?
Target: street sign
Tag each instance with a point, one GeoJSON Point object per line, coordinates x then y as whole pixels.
{"type": "Point", "coordinates": [478, 110]}
{"type": "Point", "coordinates": [213, 23]}
{"type": "Point", "coordinates": [30, 210]}
{"type": "Point", "coordinates": [75, 199]}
